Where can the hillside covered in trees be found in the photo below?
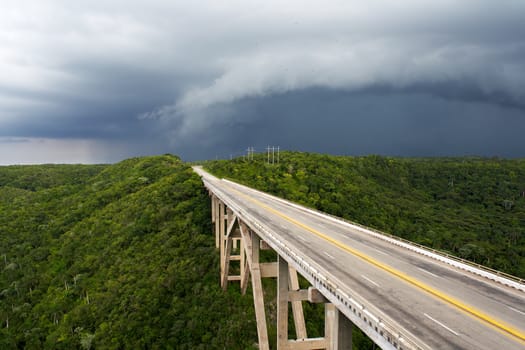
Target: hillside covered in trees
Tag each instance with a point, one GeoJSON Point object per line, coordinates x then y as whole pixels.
{"type": "Point", "coordinates": [122, 256]}
{"type": "Point", "coordinates": [473, 208]}
{"type": "Point", "coordinates": [113, 257]}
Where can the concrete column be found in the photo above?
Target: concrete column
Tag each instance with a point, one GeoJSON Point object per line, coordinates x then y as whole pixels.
{"type": "Point", "coordinates": [344, 334]}
{"type": "Point", "coordinates": [229, 216]}
{"type": "Point", "coordinates": [282, 304]}
{"type": "Point", "coordinates": [242, 263]}
{"type": "Point", "coordinates": [222, 233]}
{"type": "Point", "coordinates": [338, 329]}
{"type": "Point", "coordinates": [218, 206]}
{"type": "Point", "coordinates": [226, 267]}
{"type": "Point", "coordinates": [297, 307]}
{"type": "Point", "coordinates": [246, 256]}
{"type": "Point", "coordinates": [258, 295]}
{"type": "Point", "coordinates": [213, 200]}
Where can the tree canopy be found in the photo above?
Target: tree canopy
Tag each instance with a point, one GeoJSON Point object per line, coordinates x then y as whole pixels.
{"type": "Point", "coordinates": [122, 256]}
{"type": "Point", "coordinates": [113, 256]}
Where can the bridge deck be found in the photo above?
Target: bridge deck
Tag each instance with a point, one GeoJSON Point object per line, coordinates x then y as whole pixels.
{"type": "Point", "coordinates": [444, 307]}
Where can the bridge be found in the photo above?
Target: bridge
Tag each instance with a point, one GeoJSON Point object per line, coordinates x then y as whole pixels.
{"type": "Point", "coordinates": [403, 296]}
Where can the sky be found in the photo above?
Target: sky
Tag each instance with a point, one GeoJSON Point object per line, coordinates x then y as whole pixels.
{"type": "Point", "coordinates": [100, 81]}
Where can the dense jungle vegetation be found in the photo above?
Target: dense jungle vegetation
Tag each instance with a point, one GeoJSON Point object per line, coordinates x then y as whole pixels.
{"type": "Point", "coordinates": [123, 257]}
{"type": "Point", "coordinates": [113, 257]}
{"type": "Point", "coordinates": [473, 208]}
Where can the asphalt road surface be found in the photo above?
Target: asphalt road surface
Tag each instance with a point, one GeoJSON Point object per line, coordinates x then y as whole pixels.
{"type": "Point", "coordinates": [495, 315]}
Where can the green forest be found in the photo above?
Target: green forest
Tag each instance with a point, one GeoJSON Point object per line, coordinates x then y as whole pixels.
{"type": "Point", "coordinates": [113, 257]}
{"type": "Point", "coordinates": [122, 256]}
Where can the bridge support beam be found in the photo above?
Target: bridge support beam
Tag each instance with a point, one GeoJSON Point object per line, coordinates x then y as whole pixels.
{"type": "Point", "coordinates": [219, 207]}
{"type": "Point", "coordinates": [213, 205]}
{"type": "Point", "coordinates": [247, 257]}
{"type": "Point", "coordinates": [338, 329]}
{"type": "Point", "coordinates": [252, 244]}
{"type": "Point", "coordinates": [220, 237]}
{"type": "Point", "coordinates": [282, 304]}
{"type": "Point", "coordinates": [231, 233]}
{"type": "Point", "coordinates": [297, 306]}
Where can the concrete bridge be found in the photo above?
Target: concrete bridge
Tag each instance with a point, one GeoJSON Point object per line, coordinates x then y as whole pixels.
{"type": "Point", "coordinates": [403, 296]}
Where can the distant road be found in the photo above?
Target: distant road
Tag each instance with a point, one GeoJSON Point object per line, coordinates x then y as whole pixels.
{"type": "Point", "coordinates": [445, 307]}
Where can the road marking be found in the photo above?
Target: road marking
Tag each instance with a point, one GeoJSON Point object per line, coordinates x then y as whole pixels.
{"type": "Point", "coordinates": [380, 251]}
{"type": "Point", "coordinates": [441, 324]}
{"type": "Point", "coordinates": [302, 238]}
{"type": "Point", "coordinates": [516, 310]}
{"type": "Point", "coordinates": [328, 255]}
{"type": "Point", "coordinates": [369, 280]}
{"type": "Point", "coordinates": [428, 272]}
{"type": "Point", "coordinates": [445, 297]}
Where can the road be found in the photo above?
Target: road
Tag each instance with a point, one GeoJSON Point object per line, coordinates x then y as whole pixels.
{"type": "Point", "coordinates": [445, 307]}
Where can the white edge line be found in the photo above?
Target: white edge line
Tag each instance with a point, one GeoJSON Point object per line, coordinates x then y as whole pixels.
{"type": "Point", "coordinates": [329, 255]}
{"type": "Point", "coordinates": [302, 238]}
{"type": "Point", "coordinates": [428, 272]}
{"type": "Point", "coordinates": [516, 310]}
{"type": "Point", "coordinates": [380, 251]}
{"type": "Point", "coordinates": [369, 280]}
{"type": "Point", "coordinates": [441, 324]}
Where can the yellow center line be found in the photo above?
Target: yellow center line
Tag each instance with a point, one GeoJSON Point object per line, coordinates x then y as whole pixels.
{"type": "Point", "coordinates": [467, 308]}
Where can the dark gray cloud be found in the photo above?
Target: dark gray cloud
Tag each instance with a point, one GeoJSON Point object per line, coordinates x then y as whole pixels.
{"type": "Point", "coordinates": [122, 78]}
{"type": "Point", "coordinates": [397, 124]}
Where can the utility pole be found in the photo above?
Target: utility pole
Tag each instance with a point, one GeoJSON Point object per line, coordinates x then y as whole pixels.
{"type": "Point", "coordinates": [272, 149]}
{"type": "Point", "coordinates": [250, 150]}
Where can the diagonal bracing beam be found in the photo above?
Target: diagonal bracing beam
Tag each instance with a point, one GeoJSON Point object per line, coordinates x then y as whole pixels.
{"type": "Point", "coordinates": [297, 306]}
{"type": "Point", "coordinates": [252, 256]}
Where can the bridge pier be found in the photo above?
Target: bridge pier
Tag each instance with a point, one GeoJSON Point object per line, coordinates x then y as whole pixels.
{"type": "Point", "coordinates": [338, 329]}
{"type": "Point", "coordinates": [231, 233]}
{"type": "Point", "coordinates": [297, 305]}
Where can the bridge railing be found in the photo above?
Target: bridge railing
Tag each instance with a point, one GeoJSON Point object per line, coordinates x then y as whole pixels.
{"type": "Point", "coordinates": [440, 252]}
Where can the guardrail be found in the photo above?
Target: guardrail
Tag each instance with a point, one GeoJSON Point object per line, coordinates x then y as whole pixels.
{"type": "Point", "coordinates": [384, 331]}
{"type": "Point", "coordinates": [466, 265]}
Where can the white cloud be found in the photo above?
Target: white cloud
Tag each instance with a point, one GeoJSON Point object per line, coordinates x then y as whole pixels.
{"type": "Point", "coordinates": [40, 150]}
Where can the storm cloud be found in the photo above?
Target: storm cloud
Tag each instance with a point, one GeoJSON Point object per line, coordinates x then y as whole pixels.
{"type": "Point", "coordinates": [119, 78]}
